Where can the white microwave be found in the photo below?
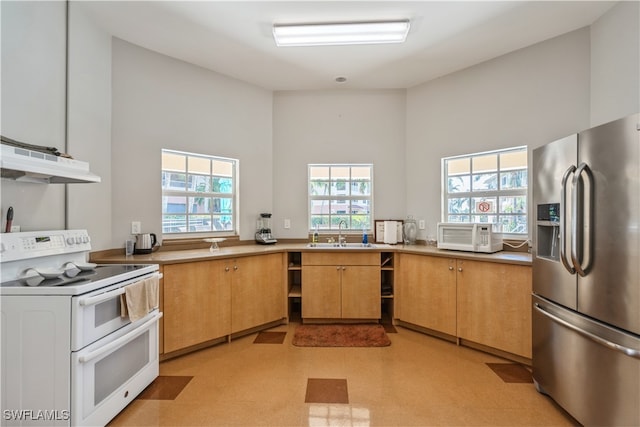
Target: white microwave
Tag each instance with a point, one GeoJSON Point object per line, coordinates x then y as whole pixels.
{"type": "Point", "coordinates": [471, 237]}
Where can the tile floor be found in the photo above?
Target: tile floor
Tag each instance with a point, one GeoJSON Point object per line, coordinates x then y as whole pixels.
{"type": "Point", "coordinates": [417, 381]}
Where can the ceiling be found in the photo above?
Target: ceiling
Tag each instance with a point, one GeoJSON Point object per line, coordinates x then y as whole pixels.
{"type": "Point", "coordinates": [234, 37]}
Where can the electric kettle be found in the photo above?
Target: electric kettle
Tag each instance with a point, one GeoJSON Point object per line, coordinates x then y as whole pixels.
{"type": "Point", "coordinates": [145, 243]}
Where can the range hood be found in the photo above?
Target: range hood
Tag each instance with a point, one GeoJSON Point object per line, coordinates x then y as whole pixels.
{"type": "Point", "coordinates": [25, 165]}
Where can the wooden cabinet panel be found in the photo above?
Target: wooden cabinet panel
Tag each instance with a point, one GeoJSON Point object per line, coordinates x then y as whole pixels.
{"type": "Point", "coordinates": [196, 303]}
{"type": "Point", "coordinates": [484, 302]}
{"type": "Point", "coordinates": [427, 292]}
{"type": "Point", "coordinates": [257, 291]}
{"type": "Point", "coordinates": [321, 292]}
{"type": "Point", "coordinates": [340, 258]}
{"type": "Point", "coordinates": [360, 292]}
{"type": "Point", "coordinates": [211, 299]}
{"type": "Point", "coordinates": [494, 305]}
{"type": "Point", "coordinates": [341, 285]}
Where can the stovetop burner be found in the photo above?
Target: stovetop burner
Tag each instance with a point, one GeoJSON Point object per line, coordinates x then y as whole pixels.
{"type": "Point", "coordinates": [80, 282]}
{"type": "Point", "coordinates": [51, 253]}
{"type": "Point", "coordinates": [61, 281]}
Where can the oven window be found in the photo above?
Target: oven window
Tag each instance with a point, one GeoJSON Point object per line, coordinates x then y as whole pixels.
{"type": "Point", "coordinates": [107, 311]}
{"type": "Point", "coordinates": [119, 366]}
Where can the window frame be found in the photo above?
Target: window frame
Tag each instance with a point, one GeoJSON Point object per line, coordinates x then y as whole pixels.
{"type": "Point", "coordinates": [470, 194]}
{"type": "Point", "coordinates": [348, 184]}
{"type": "Point", "coordinates": [188, 193]}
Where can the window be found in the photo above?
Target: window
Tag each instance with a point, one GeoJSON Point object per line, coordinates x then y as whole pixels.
{"type": "Point", "coordinates": [340, 193]}
{"type": "Point", "coordinates": [487, 187]}
{"type": "Point", "coordinates": [199, 193]}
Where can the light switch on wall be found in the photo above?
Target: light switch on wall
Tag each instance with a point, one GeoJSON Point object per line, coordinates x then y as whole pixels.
{"type": "Point", "coordinates": [421, 224]}
{"type": "Point", "coordinates": [287, 223]}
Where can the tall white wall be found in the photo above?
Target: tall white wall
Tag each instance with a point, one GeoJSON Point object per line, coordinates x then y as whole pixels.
{"type": "Point", "coordinates": [160, 102]}
{"type": "Point", "coordinates": [615, 63]}
{"type": "Point", "coordinates": [126, 103]}
{"type": "Point", "coordinates": [89, 119]}
{"type": "Point", "coordinates": [336, 127]}
{"type": "Point", "coordinates": [33, 103]}
{"type": "Point", "coordinates": [528, 97]}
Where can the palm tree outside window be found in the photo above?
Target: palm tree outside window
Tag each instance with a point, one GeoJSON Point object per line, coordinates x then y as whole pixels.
{"type": "Point", "coordinates": [340, 192]}
{"type": "Point", "coordinates": [199, 193]}
{"type": "Point", "coordinates": [489, 187]}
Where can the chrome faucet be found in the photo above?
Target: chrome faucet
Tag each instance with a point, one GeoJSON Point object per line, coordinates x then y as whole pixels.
{"type": "Point", "coordinates": [341, 240]}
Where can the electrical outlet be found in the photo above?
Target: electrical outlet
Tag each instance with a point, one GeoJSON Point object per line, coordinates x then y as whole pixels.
{"type": "Point", "coordinates": [421, 224]}
{"type": "Point", "coordinates": [136, 227]}
{"type": "Point", "coordinates": [287, 223]}
{"type": "Point", "coordinates": [15, 229]}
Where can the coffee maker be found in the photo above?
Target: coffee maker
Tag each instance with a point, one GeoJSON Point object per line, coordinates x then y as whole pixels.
{"type": "Point", "coordinates": [263, 235]}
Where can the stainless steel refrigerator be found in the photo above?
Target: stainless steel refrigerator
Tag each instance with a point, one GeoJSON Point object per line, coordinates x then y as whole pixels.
{"type": "Point", "coordinates": [586, 273]}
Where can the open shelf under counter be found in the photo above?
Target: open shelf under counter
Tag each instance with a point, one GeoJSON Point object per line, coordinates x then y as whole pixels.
{"type": "Point", "coordinates": [295, 291]}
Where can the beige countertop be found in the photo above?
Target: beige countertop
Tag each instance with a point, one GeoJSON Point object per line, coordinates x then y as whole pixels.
{"type": "Point", "coordinates": [190, 255]}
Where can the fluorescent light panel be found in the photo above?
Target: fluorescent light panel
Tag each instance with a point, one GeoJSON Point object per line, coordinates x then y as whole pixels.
{"type": "Point", "coordinates": [341, 33]}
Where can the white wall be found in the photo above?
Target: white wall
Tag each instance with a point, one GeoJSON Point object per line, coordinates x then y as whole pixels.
{"type": "Point", "coordinates": [89, 118]}
{"type": "Point", "coordinates": [33, 103]}
{"type": "Point", "coordinates": [615, 63]}
{"type": "Point", "coordinates": [528, 97]}
{"type": "Point", "coordinates": [336, 127]}
{"type": "Point", "coordinates": [160, 102]}
{"type": "Point", "coordinates": [531, 96]}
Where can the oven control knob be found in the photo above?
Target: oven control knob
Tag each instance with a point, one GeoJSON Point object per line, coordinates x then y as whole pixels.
{"type": "Point", "coordinates": [85, 239]}
{"type": "Point", "coordinates": [70, 240]}
{"type": "Point", "coordinates": [78, 239]}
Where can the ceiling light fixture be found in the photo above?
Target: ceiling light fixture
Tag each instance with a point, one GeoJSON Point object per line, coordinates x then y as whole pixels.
{"type": "Point", "coordinates": [341, 33]}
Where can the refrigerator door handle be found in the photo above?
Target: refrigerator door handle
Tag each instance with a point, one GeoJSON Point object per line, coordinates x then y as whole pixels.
{"type": "Point", "coordinates": [582, 237]}
{"type": "Point", "coordinates": [563, 221]}
{"type": "Point", "coordinates": [631, 352]}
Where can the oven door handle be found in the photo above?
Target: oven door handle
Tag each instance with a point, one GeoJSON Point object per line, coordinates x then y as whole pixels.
{"type": "Point", "coordinates": [100, 298]}
{"type": "Point", "coordinates": [89, 301]}
{"type": "Point", "coordinates": [118, 342]}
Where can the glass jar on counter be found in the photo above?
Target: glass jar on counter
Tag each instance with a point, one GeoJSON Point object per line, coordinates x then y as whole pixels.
{"type": "Point", "coordinates": [409, 231]}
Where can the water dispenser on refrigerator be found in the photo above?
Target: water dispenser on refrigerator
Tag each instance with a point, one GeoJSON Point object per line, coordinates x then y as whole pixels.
{"type": "Point", "coordinates": [548, 230]}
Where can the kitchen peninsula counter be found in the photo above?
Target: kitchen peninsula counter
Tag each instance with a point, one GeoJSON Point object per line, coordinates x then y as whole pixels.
{"type": "Point", "coordinates": [189, 255]}
{"type": "Point", "coordinates": [254, 287]}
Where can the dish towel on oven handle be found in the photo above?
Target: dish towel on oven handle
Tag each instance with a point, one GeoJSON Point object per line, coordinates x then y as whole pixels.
{"type": "Point", "coordinates": [139, 298]}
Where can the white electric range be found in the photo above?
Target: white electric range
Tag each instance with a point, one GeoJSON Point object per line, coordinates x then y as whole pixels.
{"type": "Point", "coordinates": [68, 355]}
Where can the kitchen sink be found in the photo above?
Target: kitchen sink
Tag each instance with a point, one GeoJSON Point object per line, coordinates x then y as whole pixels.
{"type": "Point", "coordinates": [343, 246]}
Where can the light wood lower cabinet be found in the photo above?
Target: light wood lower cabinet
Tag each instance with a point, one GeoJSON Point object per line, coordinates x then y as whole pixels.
{"type": "Point", "coordinates": [340, 286]}
{"type": "Point", "coordinates": [487, 303]}
{"type": "Point", "coordinates": [207, 300]}
{"type": "Point", "coordinates": [257, 291]}
{"type": "Point", "coordinates": [494, 305]}
{"type": "Point", "coordinates": [426, 292]}
{"type": "Point", "coordinates": [197, 303]}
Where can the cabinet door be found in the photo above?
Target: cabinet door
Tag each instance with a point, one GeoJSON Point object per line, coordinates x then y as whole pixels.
{"type": "Point", "coordinates": [321, 295]}
{"type": "Point", "coordinates": [427, 292]}
{"type": "Point", "coordinates": [360, 292]}
{"type": "Point", "coordinates": [494, 305]}
{"type": "Point", "coordinates": [196, 303]}
{"type": "Point", "coordinates": [257, 291]}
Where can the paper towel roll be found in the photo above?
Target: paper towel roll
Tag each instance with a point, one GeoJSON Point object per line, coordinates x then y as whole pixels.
{"type": "Point", "coordinates": [391, 232]}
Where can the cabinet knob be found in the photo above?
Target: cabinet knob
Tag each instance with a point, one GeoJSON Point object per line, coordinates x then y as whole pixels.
{"type": "Point", "coordinates": [235, 267]}
{"type": "Point", "coordinates": [344, 268]}
{"type": "Point", "coordinates": [459, 268]}
{"type": "Point", "coordinates": [338, 268]}
{"type": "Point", "coordinates": [450, 268]}
{"type": "Point", "coordinates": [226, 269]}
